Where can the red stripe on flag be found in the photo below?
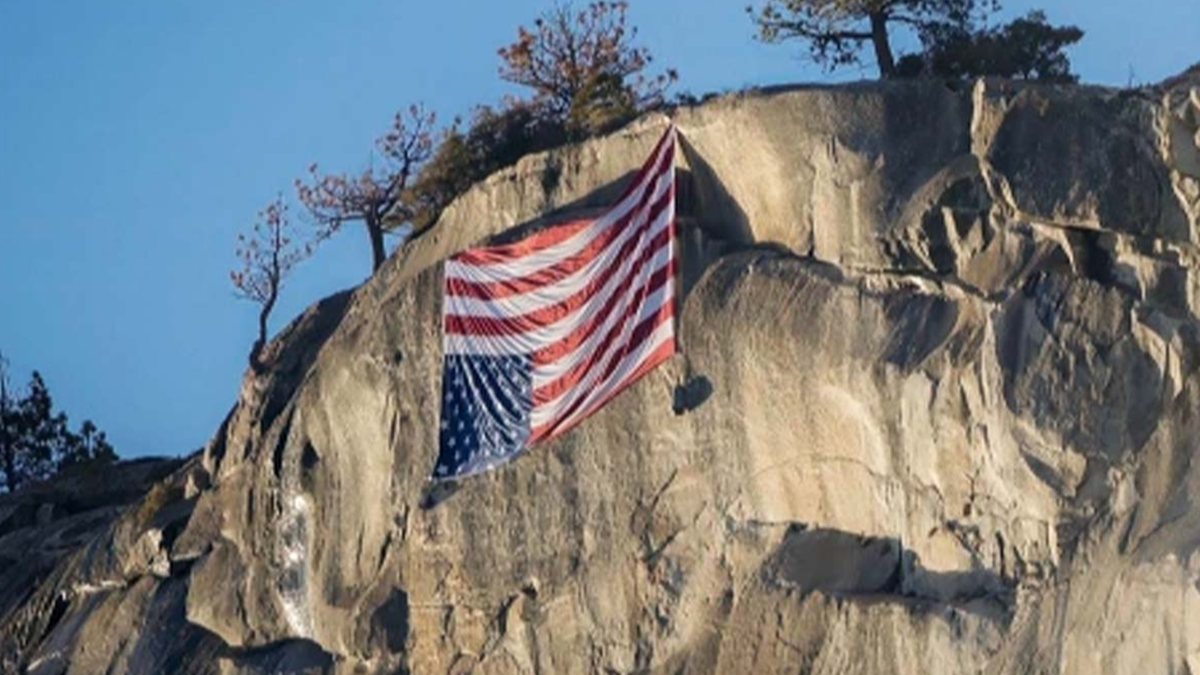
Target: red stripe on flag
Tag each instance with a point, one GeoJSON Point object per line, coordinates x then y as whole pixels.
{"type": "Point", "coordinates": [559, 233]}
{"type": "Point", "coordinates": [562, 269]}
{"type": "Point", "coordinates": [571, 342]}
{"type": "Point", "coordinates": [489, 290]}
{"type": "Point", "coordinates": [532, 244]}
{"type": "Point", "coordinates": [483, 325]}
{"type": "Point", "coordinates": [609, 349]}
{"type": "Point", "coordinates": [668, 137]}
{"type": "Point", "coordinates": [549, 432]}
{"type": "Point", "coordinates": [555, 388]}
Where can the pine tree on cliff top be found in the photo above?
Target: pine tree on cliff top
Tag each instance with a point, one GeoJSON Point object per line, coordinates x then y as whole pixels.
{"type": "Point", "coordinates": [954, 40]}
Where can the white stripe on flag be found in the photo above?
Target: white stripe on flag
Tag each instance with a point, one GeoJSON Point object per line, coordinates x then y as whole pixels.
{"type": "Point", "coordinates": [515, 269]}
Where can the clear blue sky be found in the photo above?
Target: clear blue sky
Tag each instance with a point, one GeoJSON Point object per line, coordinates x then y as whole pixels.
{"type": "Point", "coordinates": [138, 136]}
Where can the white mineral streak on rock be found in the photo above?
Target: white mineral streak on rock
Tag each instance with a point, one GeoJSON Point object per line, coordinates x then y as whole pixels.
{"type": "Point", "coordinates": [80, 590]}
{"type": "Point", "coordinates": [46, 659]}
{"type": "Point", "coordinates": [293, 586]}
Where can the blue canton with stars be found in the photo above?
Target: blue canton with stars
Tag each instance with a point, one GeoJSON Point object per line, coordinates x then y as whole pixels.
{"type": "Point", "coordinates": [486, 401]}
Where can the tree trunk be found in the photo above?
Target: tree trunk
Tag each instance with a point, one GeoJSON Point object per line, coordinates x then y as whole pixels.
{"type": "Point", "coordinates": [883, 48]}
{"type": "Point", "coordinates": [11, 481]}
{"type": "Point", "coordinates": [261, 342]}
{"type": "Point", "coordinates": [7, 458]}
{"type": "Point", "coordinates": [7, 451]}
{"type": "Point", "coordinates": [375, 231]}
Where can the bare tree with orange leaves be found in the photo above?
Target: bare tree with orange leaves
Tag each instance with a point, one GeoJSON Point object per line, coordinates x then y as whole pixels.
{"type": "Point", "coordinates": [267, 255]}
{"type": "Point", "coordinates": [573, 60]}
{"type": "Point", "coordinates": [334, 199]}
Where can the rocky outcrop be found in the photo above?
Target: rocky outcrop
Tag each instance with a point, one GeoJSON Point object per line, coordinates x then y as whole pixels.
{"type": "Point", "coordinates": [935, 412]}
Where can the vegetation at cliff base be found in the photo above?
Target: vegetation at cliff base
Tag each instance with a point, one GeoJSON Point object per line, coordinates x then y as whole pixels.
{"type": "Point", "coordinates": [35, 441]}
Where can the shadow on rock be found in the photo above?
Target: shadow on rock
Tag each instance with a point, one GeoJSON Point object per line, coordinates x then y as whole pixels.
{"type": "Point", "coordinates": [692, 394]}
{"type": "Point", "coordinates": [880, 569]}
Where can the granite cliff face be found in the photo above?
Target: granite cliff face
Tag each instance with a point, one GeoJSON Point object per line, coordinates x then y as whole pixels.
{"type": "Point", "coordinates": [936, 412]}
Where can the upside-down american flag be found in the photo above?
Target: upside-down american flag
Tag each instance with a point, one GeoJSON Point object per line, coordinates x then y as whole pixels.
{"type": "Point", "coordinates": [540, 333]}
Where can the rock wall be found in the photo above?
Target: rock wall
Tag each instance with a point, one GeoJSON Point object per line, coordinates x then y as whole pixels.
{"type": "Point", "coordinates": [935, 412]}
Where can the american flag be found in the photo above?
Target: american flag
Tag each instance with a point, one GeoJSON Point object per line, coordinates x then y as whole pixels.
{"type": "Point", "coordinates": [539, 334]}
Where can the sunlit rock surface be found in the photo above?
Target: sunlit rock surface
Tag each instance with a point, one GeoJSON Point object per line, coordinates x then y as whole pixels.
{"type": "Point", "coordinates": [935, 412]}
